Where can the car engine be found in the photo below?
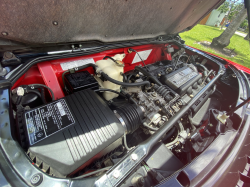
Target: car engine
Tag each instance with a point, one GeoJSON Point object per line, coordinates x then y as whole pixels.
{"type": "Point", "coordinates": [107, 112]}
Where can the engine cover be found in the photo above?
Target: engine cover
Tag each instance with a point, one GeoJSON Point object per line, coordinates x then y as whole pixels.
{"type": "Point", "coordinates": [181, 79]}
{"type": "Point", "coordinates": [68, 134]}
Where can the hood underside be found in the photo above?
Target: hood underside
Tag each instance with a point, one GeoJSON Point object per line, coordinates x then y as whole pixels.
{"type": "Point", "coordinates": [43, 22]}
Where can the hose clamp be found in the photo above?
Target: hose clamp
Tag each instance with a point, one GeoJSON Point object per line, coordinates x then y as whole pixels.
{"type": "Point", "coordinates": [121, 120]}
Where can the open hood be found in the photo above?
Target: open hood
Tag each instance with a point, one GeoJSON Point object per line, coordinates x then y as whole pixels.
{"type": "Point", "coordinates": [53, 22]}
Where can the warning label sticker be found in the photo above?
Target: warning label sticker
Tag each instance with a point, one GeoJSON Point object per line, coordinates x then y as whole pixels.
{"type": "Point", "coordinates": [143, 54]}
{"type": "Point", "coordinates": [47, 120]}
{"type": "Point", "coordinates": [77, 63]}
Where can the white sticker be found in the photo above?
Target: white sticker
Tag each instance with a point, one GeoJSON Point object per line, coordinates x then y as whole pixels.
{"type": "Point", "coordinates": [77, 63]}
{"type": "Point", "coordinates": [143, 54]}
{"type": "Point", "coordinates": [60, 108]}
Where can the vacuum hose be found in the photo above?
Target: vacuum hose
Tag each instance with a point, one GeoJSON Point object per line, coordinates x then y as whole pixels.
{"type": "Point", "coordinates": [146, 83]}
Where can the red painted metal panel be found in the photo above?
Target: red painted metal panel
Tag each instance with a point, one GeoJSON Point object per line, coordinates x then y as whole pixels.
{"type": "Point", "coordinates": [50, 72]}
{"type": "Point", "coordinates": [50, 79]}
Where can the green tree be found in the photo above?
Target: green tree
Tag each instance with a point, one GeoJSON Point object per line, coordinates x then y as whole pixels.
{"type": "Point", "coordinates": [232, 8]}
{"type": "Point", "coordinates": [224, 39]}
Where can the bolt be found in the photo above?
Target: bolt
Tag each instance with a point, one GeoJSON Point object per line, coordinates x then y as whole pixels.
{"type": "Point", "coordinates": [98, 165]}
{"type": "Point", "coordinates": [134, 157]}
{"type": "Point", "coordinates": [8, 55]}
{"type": "Point", "coordinates": [141, 181]}
{"type": "Point", "coordinates": [55, 23]}
{"type": "Point", "coordinates": [159, 74]}
{"type": "Point", "coordinates": [154, 94]}
{"type": "Point", "coordinates": [116, 174]}
{"type": "Point", "coordinates": [36, 179]}
{"type": "Point", "coordinates": [115, 111]}
{"type": "Point", "coordinates": [4, 33]}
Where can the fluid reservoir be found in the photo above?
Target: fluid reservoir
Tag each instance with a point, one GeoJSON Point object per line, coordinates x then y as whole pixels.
{"type": "Point", "coordinates": [113, 67]}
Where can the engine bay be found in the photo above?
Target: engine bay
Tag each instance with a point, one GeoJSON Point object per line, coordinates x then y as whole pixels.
{"type": "Point", "coordinates": [78, 117]}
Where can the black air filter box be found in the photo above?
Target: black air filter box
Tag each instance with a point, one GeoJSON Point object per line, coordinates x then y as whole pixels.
{"type": "Point", "coordinates": [70, 133]}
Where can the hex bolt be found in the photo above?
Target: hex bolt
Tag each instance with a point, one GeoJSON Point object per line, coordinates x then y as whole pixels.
{"type": "Point", "coordinates": [116, 174]}
{"type": "Point", "coordinates": [4, 33]}
{"type": "Point", "coordinates": [36, 179]}
{"type": "Point", "coordinates": [134, 156]}
{"type": "Point", "coordinates": [55, 23]}
{"type": "Point", "coordinates": [141, 181]}
{"type": "Point", "coordinates": [8, 55]}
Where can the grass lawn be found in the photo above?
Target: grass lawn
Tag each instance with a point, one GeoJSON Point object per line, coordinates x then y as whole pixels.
{"type": "Point", "coordinates": [207, 33]}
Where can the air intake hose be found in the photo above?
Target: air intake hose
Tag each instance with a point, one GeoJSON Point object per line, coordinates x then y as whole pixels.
{"type": "Point", "coordinates": [131, 115]}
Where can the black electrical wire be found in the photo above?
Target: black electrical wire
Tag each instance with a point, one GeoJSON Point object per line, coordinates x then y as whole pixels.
{"type": "Point", "coordinates": [139, 57]}
{"type": "Point", "coordinates": [146, 83]}
{"type": "Point", "coordinates": [237, 107]}
{"type": "Point", "coordinates": [43, 95]}
{"type": "Point", "coordinates": [39, 85]}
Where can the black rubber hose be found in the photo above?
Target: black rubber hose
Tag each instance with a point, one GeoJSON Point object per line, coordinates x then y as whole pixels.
{"type": "Point", "coordinates": [146, 83]}
{"type": "Point", "coordinates": [129, 77]}
{"type": "Point", "coordinates": [38, 94]}
{"type": "Point", "coordinates": [202, 66]}
{"type": "Point", "coordinates": [124, 77]}
{"type": "Point", "coordinates": [41, 95]}
{"type": "Point", "coordinates": [19, 100]}
{"type": "Point", "coordinates": [149, 75]}
{"type": "Point", "coordinates": [35, 92]}
{"type": "Point", "coordinates": [39, 85]}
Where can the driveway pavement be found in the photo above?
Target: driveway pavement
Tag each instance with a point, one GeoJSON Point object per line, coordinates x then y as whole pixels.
{"type": "Point", "coordinates": [239, 33]}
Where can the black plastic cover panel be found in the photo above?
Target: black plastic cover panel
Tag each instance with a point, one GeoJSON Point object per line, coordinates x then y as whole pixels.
{"type": "Point", "coordinates": [80, 81]}
{"type": "Point", "coordinates": [46, 22]}
{"type": "Point", "coordinates": [78, 128]}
